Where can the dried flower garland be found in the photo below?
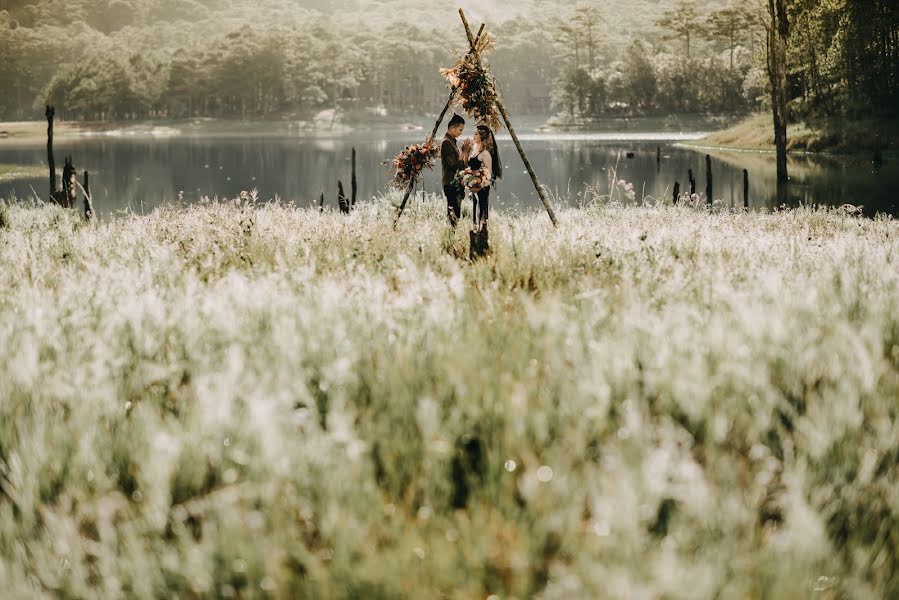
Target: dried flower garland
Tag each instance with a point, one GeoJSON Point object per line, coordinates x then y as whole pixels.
{"type": "Point", "coordinates": [471, 78]}
{"type": "Point", "coordinates": [412, 161]}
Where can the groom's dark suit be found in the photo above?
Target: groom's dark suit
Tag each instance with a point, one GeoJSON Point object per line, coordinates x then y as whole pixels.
{"type": "Point", "coordinates": [452, 162]}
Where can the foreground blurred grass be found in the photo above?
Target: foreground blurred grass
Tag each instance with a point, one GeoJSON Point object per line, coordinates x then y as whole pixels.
{"type": "Point", "coordinates": [237, 400]}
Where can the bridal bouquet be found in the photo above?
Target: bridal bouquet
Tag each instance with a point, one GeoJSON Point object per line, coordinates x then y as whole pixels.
{"type": "Point", "coordinates": [473, 179]}
{"type": "Point", "coordinates": [471, 78]}
{"type": "Point", "coordinates": [409, 163]}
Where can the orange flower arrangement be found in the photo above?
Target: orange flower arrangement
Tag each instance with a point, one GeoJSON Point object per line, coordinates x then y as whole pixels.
{"type": "Point", "coordinates": [409, 164]}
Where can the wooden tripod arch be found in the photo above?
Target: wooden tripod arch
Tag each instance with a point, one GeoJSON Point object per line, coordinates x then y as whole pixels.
{"type": "Point", "coordinates": [541, 192]}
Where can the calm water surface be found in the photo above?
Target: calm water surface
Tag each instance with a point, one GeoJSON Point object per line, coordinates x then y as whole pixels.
{"type": "Point", "coordinates": [143, 173]}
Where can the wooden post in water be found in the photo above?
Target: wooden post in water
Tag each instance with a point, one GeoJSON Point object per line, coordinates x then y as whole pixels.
{"type": "Point", "coordinates": [745, 188]}
{"type": "Point", "coordinates": [658, 159]}
{"type": "Point", "coordinates": [342, 201]}
{"type": "Point", "coordinates": [505, 115]}
{"type": "Point", "coordinates": [354, 185]}
{"type": "Point", "coordinates": [50, 113]}
{"type": "Point", "coordinates": [321, 202]}
{"type": "Point", "coordinates": [692, 183]}
{"type": "Point", "coordinates": [676, 192]}
{"type": "Point", "coordinates": [88, 202]}
{"type": "Point", "coordinates": [708, 180]}
{"type": "Point", "coordinates": [69, 184]}
{"type": "Point", "coordinates": [449, 102]}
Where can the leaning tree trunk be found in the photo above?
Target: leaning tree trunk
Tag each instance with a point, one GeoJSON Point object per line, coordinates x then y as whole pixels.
{"type": "Point", "coordinates": [778, 37]}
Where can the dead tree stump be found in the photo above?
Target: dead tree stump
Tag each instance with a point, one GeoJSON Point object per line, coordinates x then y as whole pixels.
{"type": "Point", "coordinates": [50, 113]}
{"type": "Point", "coordinates": [708, 180]}
{"type": "Point", "coordinates": [68, 196]}
{"type": "Point", "coordinates": [69, 184]}
{"type": "Point", "coordinates": [676, 192]}
{"type": "Point", "coordinates": [692, 183]}
{"type": "Point", "coordinates": [479, 243]}
{"type": "Point", "coordinates": [745, 188]}
{"type": "Point", "coordinates": [354, 186]}
{"type": "Point", "coordinates": [88, 201]}
{"type": "Point", "coordinates": [342, 200]}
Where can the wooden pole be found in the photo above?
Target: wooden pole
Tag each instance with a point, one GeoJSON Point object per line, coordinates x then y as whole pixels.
{"type": "Point", "coordinates": [50, 113]}
{"type": "Point", "coordinates": [505, 115]}
{"type": "Point", "coordinates": [342, 201]}
{"type": "Point", "coordinates": [88, 203]}
{"type": "Point", "coordinates": [708, 180]}
{"type": "Point", "coordinates": [353, 182]}
{"type": "Point", "coordinates": [692, 183]}
{"type": "Point", "coordinates": [745, 188]}
{"type": "Point", "coordinates": [446, 107]}
{"type": "Point", "coordinates": [402, 207]}
{"type": "Point", "coordinates": [676, 191]}
{"type": "Point", "coordinates": [321, 202]}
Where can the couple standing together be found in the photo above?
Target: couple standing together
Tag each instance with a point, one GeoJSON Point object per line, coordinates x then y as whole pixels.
{"type": "Point", "coordinates": [455, 158]}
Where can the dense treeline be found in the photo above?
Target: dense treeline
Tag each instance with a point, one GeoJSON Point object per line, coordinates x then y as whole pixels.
{"type": "Point", "coordinates": [843, 56]}
{"type": "Point", "coordinates": [124, 59]}
{"type": "Point", "coordinates": [135, 59]}
{"type": "Point", "coordinates": [842, 59]}
{"type": "Point", "coordinates": [694, 60]}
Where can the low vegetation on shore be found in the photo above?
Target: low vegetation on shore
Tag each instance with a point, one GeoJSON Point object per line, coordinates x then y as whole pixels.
{"type": "Point", "coordinates": [252, 400]}
{"type": "Point", "coordinates": [837, 137]}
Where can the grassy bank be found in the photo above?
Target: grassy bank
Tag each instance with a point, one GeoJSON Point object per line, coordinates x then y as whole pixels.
{"type": "Point", "coordinates": [323, 123]}
{"type": "Point", "coordinates": [35, 132]}
{"type": "Point", "coordinates": [16, 172]}
{"type": "Point", "coordinates": [667, 123]}
{"type": "Point", "coordinates": [228, 400]}
{"type": "Point", "coordinates": [837, 137]}
{"type": "Point", "coordinates": [32, 132]}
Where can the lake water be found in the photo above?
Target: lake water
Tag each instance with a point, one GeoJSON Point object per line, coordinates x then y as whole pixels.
{"type": "Point", "coordinates": [141, 173]}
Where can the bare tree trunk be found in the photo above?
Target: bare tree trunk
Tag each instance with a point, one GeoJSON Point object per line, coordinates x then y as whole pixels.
{"type": "Point", "coordinates": [592, 44]}
{"type": "Point", "coordinates": [778, 36]}
{"type": "Point", "coordinates": [732, 44]}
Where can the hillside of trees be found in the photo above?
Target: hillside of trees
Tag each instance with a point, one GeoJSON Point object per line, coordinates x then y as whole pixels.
{"type": "Point", "coordinates": [139, 59]}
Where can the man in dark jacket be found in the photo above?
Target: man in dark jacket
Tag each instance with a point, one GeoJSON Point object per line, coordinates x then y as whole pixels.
{"type": "Point", "coordinates": [453, 160]}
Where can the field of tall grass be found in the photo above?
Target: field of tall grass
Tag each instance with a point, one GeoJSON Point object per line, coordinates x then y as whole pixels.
{"type": "Point", "coordinates": [247, 400]}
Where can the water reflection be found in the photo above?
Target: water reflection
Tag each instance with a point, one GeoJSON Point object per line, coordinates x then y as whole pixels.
{"type": "Point", "coordinates": [144, 173]}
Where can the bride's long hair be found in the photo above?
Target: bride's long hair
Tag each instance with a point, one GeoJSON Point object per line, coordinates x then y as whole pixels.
{"type": "Point", "coordinates": [488, 142]}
